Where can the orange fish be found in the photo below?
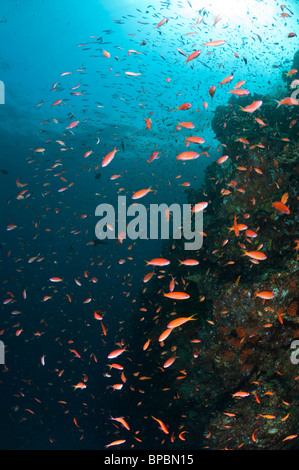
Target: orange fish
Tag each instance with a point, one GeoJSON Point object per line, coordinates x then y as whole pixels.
{"type": "Point", "coordinates": [189, 262]}
{"type": "Point", "coordinates": [56, 103]}
{"type": "Point", "coordinates": [212, 91]}
{"type": "Point", "coordinates": [293, 436]}
{"type": "Point", "coordinates": [148, 277]}
{"type": "Point", "coordinates": [122, 421]}
{"type": "Point", "coordinates": [287, 102]}
{"type": "Point", "coordinates": [109, 157]}
{"type": "Point", "coordinates": [265, 295]}
{"type": "Point", "coordinates": [214, 43]}
{"type": "Point", "coordinates": [200, 206]}
{"type": "Point", "coordinates": [172, 285]}
{"type": "Point", "coordinates": [184, 107]}
{"type": "Point", "coordinates": [239, 92]}
{"type": "Point", "coordinates": [169, 362]}
{"type": "Point", "coordinates": [240, 394]}
{"type": "Point", "coordinates": [187, 156]}
{"type": "Point", "coordinates": [97, 316]}
{"type": "Point", "coordinates": [179, 321]}
{"type": "Point", "coordinates": [148, 123]}
{"type": "Point", "coordinates": [79, 385]}
{"type": "Point", "coordinates": [292, 72]}
{"type": "Point", "coordinates": [115, 366]}
{"type": "Point", "coordinates": [115, 443]}
{"type": "Point", "coordinates": [217, 18]}
{"type": "Point", "coordinates": [73, 124]}
{"type": "Point", "coordinates": [226, 80]}
{"type": "Point", "coordinates": [222, 159]}
{"type": "Point", "coordinates": [195, 140]}
{"type": "Point", "coordinates": [281, 207]}
{"type": "Point", "coordinates": [177, 295]}
{"type": "Point", "coordinates": [164, 21]}
{"type": "Point", "coordinates": [252, 107]}
{"type": "Point", "coordinates": [162, 425]}
{"type": "Point", "coordinates": [186, 125]}
{"type": "Point", "coordinates": [181, 435]}
{"type": "Point", "coordinates": [165, 334]}
{"type": "Point", "coordinates": [116, 353]}
{"type": "Point", "coordinates": [239, 84]}
{"type": "Point", "coordinates": [193, 55]}
{"type": "Point", "coordinates": [284, 198]}
{"type": "Point", "coordinates": [133, 74]}
{"type": "Point", "coordinates": [141, 193]}
{"type": "Point", "coordinates": [75, 352]}
{"type": "Point", "coordinates": [257, 255]}
{"type": "Point", "coordinates": [56, 279]}
{"type": "Point", "coordinates": [259, 121]}
{"type": "Point", "coordinates": [158, 262]}
{"type": "Point", "coordinates": [250, 234]}
{"type": "Point", "coordinates": [236, 227]}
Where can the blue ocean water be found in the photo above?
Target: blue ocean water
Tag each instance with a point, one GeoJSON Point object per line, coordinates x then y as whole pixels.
{"type": "Point", "coordinates": [65, 62]}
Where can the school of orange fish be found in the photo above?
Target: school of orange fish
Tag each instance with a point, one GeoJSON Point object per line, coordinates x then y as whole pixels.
{"type": "Point", "coordinates": [65, 140]}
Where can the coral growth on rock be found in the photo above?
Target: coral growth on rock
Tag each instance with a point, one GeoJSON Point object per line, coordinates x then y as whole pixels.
{"type": "Point", "coordinates": [239, 341]}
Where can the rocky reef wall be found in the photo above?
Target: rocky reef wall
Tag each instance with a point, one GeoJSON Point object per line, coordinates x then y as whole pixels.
{"type": "Point", "coordinates": [233, 384]}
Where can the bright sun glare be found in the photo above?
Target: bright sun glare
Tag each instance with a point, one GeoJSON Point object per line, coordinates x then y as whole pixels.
{"type": "Point", "coordinates": [230, 9]}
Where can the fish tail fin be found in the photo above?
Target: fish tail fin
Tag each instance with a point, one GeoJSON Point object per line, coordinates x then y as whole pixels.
{"type": "Point", "coordinates": [279, 104]}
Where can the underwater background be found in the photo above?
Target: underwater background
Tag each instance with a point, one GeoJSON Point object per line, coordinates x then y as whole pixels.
{"type": "Point", "coordinates": [82, 79]}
